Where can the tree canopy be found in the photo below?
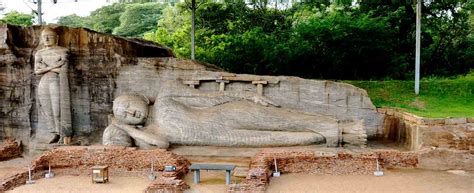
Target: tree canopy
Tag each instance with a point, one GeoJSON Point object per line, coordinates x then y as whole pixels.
{"type": "Point", "coordinates": [17, 18]}
{"type": "Point", "coordinates": [328, 39]}
{"type": "Point", "coordinates": [137, 19]}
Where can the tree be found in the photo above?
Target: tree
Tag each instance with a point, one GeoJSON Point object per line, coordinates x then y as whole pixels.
{"type": "Point", "coordinates": [326, 39]}
{"type": "Point", "coordinates": [107, 18]}
{"type": "Point", "coordinates": [139, 19]}
{"type": "Point", "coordinates": [17, 18]}
{"type": "Point", "coordinates": [173, 30]}
{"type": "Point", "coordinates": [72, 21]}
{"type": "Point", "coordinates": [447, 30]}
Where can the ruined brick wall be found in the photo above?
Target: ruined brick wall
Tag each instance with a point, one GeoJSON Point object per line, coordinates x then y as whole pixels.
{"type": "Point", "coordinates": [338, 163]}
{"type": "Point", "coordinates": [446, 159]}
{"type": "Point", "coordinates": [440, 144]}
{"type": "Point", "coordinates": [167, 185]}
{"type": "Point", "coordinates": [119, 159]}
{"type": "Point", "coordinates": [318, 162]}
{"type": "Point", "coordinates": [20, 178]}
{"type": "Point", "coordinates": [417, 132]}
{"type": "Point", "coordinates": [10, 149]}
{"type": "Point", "coordinates": [289, 161]}
{"type": "Point", "coordinates": [397, 159]}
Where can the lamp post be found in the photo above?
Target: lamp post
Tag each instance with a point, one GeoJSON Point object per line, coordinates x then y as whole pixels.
{"type": "Point", "coordinates": [39, 12]}
{"type": "Point", "coordinates": [417, 49]}
{"type": "Point", "coordinates": [193, 11]}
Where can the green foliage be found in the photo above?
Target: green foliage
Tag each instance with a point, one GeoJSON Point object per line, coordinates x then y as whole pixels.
{"type": "Point", "coordinates": [17, 18]}
{"type": "Point", "coordinates": [449, 47]}
{"type": "Point", "coordinates": [107, 18]}
{"type": "Point", "coordinates": [438, 98]}
{"type": "Point", "coordinates": [174, 30]}
{"type": "Point", "coordinates": [139, 19]}
{"type": "Point", "coordinates": [327, 39]}
{"type": "Point", "coordinates": [324, 40]}
{"type": "Point", "coordinates": [246, 49]}
{"type": "Point", "coordinates": [341, 45]}
{"type": "Point", "coordinates": [72, 21]}
{"type": "Point", "coordinates": [104, 19]}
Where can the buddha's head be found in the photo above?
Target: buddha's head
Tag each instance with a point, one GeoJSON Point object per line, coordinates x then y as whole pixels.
{"type": "Point", "coordinates": [131, 109]}
{"type": "Point", "coordinates": [49, 36]}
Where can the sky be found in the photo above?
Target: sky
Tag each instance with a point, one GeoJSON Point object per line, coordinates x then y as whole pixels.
{"type": "Point", "coordinates": [52, 11]}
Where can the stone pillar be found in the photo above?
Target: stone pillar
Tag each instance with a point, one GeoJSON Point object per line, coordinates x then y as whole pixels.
{"type": "Point", "coordinates": [260, 84]}
{"type": "Point", "coordinates": [222, 84]}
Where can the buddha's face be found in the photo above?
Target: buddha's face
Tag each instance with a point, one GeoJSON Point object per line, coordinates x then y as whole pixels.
{"type": "Point", "coordinates": [50, 38]}
{"type": "Point", "coordinates": [132, 110]}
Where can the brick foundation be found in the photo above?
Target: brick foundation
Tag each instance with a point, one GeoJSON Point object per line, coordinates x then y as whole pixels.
{"type": "Point", "coordinates": [167, 185]}
{"type": "Point", "coordinates": [121, 161]}
{"type": "Point", "coordinates": [10, 149]}
{"type": "Point", "coordinates": [339, 163]}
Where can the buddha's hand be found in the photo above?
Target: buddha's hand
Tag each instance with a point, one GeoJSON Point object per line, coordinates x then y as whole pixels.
{"type": "Point", "coordinates": [263, 101]}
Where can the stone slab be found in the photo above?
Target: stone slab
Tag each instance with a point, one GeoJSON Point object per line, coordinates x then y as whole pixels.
{"type": "Point", "coordinates": [211, 166]}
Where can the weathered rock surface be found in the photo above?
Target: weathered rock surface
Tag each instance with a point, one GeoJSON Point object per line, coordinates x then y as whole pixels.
{"type": "Point", "coordinates": [103, 67]}
{"type": "Point", "coordinates": [95, 61]}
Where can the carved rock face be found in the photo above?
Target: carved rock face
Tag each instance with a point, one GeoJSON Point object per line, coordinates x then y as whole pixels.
{"type": "Point", "coordinates": [131, 110]}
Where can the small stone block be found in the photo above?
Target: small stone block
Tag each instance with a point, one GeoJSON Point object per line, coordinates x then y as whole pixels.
{"type": "Point", "coordinates": [470, 120]}
{"type": "Point", "coordinates": [409, 117]}
{"type": "Point", "coordinates": [191, 82]}
{"type": "Point", "coordinates": [455, 121]}
{"type": "Point", "coordinates": [224, 81]}
{"type": "Point", "coordinates": [382, 110]}
{"type": "Point", "coordinates": [260, 82]}
{"type": "Point", "coordinates": [426, 121]}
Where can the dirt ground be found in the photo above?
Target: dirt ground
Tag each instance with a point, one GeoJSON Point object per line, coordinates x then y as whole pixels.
{"type": "Point", "coordinates": [69, 184]}
{"type": "Point", "coordinates": [211, 182]}
{"type": "Point", "coordinates": [83, 184]}
{"type": "Point", "coordinates": [13, 166]}
{"type": "Point", "coordinates": [396, 181]}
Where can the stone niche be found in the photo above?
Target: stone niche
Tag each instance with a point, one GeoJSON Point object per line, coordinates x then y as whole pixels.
{"type": "Point", "coordinates": [103, 67]}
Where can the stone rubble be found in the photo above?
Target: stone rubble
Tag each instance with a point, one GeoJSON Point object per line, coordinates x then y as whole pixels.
{"type": "Point", "coordinates": [10, 149]}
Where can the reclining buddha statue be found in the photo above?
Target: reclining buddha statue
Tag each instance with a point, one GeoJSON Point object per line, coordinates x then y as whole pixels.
{"type": "Point", "coordinates": [186, 116]}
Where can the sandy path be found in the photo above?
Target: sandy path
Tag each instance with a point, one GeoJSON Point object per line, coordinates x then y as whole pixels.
{"type": "Point", "coordinates": [396, 181]}
{"type": "Point", "coordinates": [83, 184]}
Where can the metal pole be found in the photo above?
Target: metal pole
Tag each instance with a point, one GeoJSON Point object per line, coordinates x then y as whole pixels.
{"type": "Point", "coordinates": [40, 13]}
{"type": "Point", "coordinates": [193, 10]}
{"type": "Point", "coordinates": [417, 49]}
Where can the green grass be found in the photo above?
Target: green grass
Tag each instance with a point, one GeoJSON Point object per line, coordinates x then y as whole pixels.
{"type": "Point", "coordinates": [439, 98]}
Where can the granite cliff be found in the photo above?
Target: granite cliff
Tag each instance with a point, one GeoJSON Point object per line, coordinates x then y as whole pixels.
{"type": "Point", "coordinates": [103, 67]}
